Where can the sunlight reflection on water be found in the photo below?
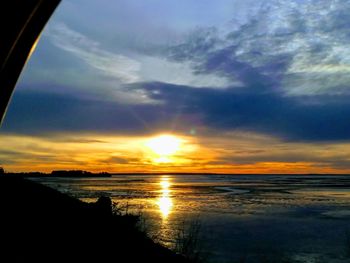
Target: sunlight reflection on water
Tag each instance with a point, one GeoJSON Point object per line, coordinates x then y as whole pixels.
{"type": "Point", "coordinates": [165, 201]}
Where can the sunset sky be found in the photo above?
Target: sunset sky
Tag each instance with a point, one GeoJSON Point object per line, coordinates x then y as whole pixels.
{"type": "Point", "coordinates": [229, 86]}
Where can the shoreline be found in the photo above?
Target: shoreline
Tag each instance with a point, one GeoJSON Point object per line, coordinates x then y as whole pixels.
{"type": "Point", "coordinates": [41, 224]}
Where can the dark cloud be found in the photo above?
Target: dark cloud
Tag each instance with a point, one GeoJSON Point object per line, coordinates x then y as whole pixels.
{"type": "Point", "coordinates": [38, 112]}
{"type": "Point", "coordinates": [14, 154]}
{"type": "Point", "coordinates": [122, 160]}
{"type": "Point", "coordinates": [280, 158]}
{"type": "Point", "coordinates": [118, 160]}
{"type": "Point", "coordinates": [75, 140]}
{"type": "Point", "coordinates": [290, 118]}
{"type": "Point", "coordinates": [337, 163]}
{"type": "Point", "coordinates": [12, 157]}
{"type": "Point", "coordinates": [242, 55]}
{"type": "Point", "coordinates": [200, 41]}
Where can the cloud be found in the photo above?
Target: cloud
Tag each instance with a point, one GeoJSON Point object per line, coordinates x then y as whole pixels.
{"type": "Point", "coordinates": [123, 160]}
{"type": "Point", "coordinates": [110, 64]}
{"type": "Point", "coordinates": [151, 67]}
{"type": "Point", "coordinates": [289, 118]}
{"type": "Point", "coordinates": [183, 108]}
{"type": "Point", "coordinates": [158, 69]}
{"type": "Point", "coordinates": [119, 160]}
{"type": "Point", "coordinates": [244, 149]}
{"type": "Point", "coordinates": [298, 47]}
{"type": "Point", "coordinates": [38, 112]}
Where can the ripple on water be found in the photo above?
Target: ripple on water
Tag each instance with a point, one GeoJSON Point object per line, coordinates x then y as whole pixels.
{"type": "Point", "coordinates": [339, 214]}
{"type": "Point", "coordinates": [231, 190]}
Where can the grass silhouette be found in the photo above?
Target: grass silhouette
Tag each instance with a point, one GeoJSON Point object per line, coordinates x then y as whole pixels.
{"type": "Point", "coordinates": [40, 224]}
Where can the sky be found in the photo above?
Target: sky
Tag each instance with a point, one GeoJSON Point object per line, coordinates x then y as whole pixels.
{"type": "Point", "coordinates": [236, 86]}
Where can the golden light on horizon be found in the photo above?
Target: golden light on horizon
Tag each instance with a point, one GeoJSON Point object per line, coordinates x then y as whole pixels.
{"type": "Point", "coordinates": [163, 147]}
{"type": "Point", "coordinates": [165, 202]}
{"type": "Point", "coordinates": [119, 154]}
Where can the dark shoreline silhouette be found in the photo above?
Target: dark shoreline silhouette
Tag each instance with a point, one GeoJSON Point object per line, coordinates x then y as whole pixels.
{"type": "Point", "coordinates": [40, 224]}
{"type": "Point", "coordinates": [82, 173]}
{"type": "Point", "coordinates": [78, 173]}
{"type": "Point", "coordinates": [60, 173]}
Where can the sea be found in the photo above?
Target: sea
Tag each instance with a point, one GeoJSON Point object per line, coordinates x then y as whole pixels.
{"type": "Point", "coordinates": [233, 218]}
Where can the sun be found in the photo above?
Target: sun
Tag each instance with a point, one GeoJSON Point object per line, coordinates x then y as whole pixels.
{"type": "Point", "coordinates": [164, 145]}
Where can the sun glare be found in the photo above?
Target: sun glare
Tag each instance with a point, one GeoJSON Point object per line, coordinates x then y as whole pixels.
{"type": "Point", "coordinates": [164, 146]}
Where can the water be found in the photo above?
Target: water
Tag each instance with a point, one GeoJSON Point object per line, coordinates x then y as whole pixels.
{"type": "Point", "coordinates": [302, 218]}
